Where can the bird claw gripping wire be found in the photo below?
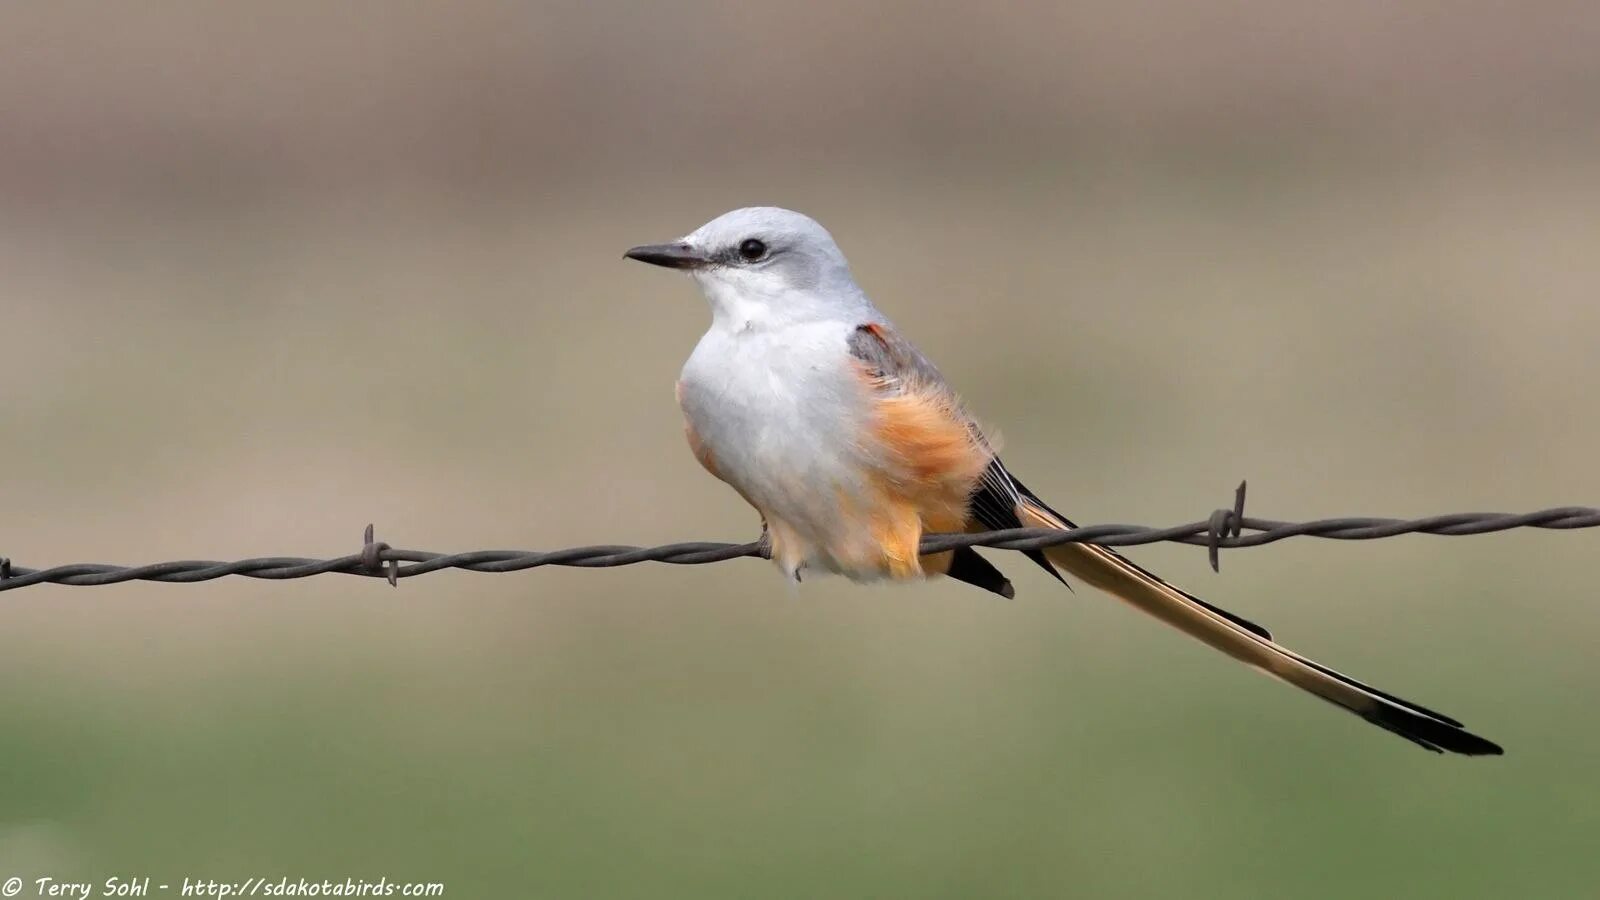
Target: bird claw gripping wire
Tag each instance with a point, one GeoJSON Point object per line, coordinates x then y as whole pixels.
{"type": "Point", "coordinates": [5, 567]}
{"type": "Point", "coordinates": [372, 561]}
{"type": "Point", "coordinates": [1224, 523]}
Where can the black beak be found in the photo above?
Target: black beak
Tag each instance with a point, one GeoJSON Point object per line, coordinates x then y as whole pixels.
{"type": "Point", "coordinates": [673, 256]}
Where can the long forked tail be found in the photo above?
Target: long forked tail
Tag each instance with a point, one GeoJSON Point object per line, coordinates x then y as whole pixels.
{"type": "Point", "coordinates": [1247, 642]}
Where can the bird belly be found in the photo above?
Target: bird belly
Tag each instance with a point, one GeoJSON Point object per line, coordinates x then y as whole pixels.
{"type": "Point", "coordinates": [792, 425]}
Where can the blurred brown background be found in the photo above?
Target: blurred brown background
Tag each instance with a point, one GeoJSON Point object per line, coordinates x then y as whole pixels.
{"type": "Point", "coordinates": [269, 272]}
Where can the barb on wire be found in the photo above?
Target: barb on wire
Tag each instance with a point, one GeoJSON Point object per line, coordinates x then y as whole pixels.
{"type": "Point", "coordinates": [1224, 523]}
{"type": "Point", "coordinates": [1224, 529]}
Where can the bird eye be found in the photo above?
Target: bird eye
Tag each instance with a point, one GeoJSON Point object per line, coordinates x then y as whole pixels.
{"type": "Point", "coordinates": [752, 249]}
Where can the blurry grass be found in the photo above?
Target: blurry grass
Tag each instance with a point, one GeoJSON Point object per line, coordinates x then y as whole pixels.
{"type": "Point", "coordinates": [903, 744]}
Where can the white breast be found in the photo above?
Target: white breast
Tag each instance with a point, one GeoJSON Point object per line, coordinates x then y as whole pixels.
{"type": "Point", "coordinates": [781, 411]}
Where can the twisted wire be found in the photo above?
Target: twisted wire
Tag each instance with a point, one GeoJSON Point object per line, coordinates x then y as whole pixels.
{"type": "Point", "coordinates": [1224, 529]}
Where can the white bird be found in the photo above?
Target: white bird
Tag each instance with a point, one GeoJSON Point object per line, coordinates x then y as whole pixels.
{"type": "Point", "coordinates": [850, 444]}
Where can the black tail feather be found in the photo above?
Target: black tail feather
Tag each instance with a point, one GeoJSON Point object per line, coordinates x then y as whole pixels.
{"type": "Point", "coordinates": [966, 565]}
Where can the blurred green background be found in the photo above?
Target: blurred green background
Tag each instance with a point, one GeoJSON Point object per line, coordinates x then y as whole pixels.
{"type": "Point", "coordinates": [273, 271]}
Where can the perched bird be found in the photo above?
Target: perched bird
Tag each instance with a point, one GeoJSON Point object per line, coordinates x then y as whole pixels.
{"type": "Point", "coordinates": [850, 444]}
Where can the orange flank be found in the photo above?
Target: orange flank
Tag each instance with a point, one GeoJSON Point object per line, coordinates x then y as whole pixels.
{"type": "Point", "coordinates": [896, 530]}
{"type": "Point", "coordinates": [932, 460]}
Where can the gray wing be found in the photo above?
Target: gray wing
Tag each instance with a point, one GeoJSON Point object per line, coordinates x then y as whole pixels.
{"type": "Point", "coordinates": [895, 361]}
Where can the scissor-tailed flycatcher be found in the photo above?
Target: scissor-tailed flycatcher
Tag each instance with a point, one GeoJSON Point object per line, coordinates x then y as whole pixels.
{"type": "Point", "coordinates": [850, 445]}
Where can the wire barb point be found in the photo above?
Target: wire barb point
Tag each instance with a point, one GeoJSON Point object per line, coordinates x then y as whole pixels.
{"type": "Point", "coordinates": [372, 560]}
{"type": "Point", "coordinates": [1223, 524]}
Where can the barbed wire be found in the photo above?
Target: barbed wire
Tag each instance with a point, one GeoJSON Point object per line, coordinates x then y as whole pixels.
{"type": "Point", "coordinates": [1224, 529]}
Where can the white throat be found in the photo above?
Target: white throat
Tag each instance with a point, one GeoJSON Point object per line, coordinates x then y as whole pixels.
{"type": "Point", "coordinates": [743, 305]}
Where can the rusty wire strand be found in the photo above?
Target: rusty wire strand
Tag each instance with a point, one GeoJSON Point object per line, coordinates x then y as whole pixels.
{"type": "Point", "coordinates": [1224, 529]}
